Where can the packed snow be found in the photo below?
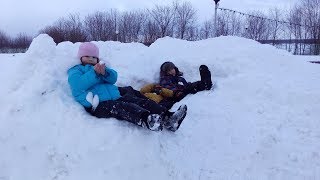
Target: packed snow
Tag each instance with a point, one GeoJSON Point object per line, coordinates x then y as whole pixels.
{"type": "Point", "coordinates": [261, 121]}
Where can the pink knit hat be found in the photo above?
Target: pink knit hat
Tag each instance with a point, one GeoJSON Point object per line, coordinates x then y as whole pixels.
{"type": "Point", "coordinates": [88, 49]}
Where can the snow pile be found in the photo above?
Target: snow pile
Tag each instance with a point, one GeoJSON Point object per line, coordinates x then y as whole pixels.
{"type": "Point", "coordinates": [260, 122]}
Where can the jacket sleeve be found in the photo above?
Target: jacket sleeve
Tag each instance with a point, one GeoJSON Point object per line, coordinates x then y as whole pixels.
{"type": "Point", "coordinates": [110, 76]}
{"type": "Point", "coordinates": [147, 89]}
{"type": "Point", "coordinates": [181, 79]}
{"type": "Point", "coordinates": [166, 92]}
{"type": "Point", "coordinates": [80, 81]}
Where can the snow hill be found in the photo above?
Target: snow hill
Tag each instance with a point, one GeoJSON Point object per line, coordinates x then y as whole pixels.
{"type": "Point", "coordinates": [260, 122]}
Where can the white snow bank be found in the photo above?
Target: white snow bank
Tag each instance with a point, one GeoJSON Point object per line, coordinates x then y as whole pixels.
{"type": "Point", "coordinates": [260, 122]}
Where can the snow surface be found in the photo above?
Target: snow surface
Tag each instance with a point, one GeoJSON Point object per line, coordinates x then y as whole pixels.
{"type": "Point", "coordinates": [260, 122]}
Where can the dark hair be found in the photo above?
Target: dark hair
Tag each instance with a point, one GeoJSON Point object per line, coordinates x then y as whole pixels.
{"type": "Point", "coordinates": [167, 66]}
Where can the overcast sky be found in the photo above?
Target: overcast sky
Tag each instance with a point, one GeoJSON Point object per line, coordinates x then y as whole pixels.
{"type": "Point", "coordinates": [32, 15]}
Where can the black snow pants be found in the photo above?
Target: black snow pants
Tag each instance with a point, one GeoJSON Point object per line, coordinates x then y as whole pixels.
{"type": "Point", "coordinates": [132, 107]}
{"type": "Point", "coordinates": [190, 88]}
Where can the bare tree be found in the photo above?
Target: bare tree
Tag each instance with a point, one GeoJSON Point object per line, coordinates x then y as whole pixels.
{"type": "Point", "coordinates": [74, 29]}
{"type": "Point", "coordinates": [311, 12]}
{"type": "Point", "coordinates": [192, 34]}
{"type": "Point", "coordinates": [185, 18]}
{"type": "Point", "coordinates": [4, 40]}
{"type": "Point", "coordinates": [21, 42]}
{"type": "Point", "coordinates": [97, 25]}
{"type": "Point", "coordinates": [222, 24]}
{"type": "Point", "coordinates": [256, 26]}
{"type": "Point", "coordinates": [130, 26]}
{"type": "Point", "coordinates": [275, 26]}
{"type": "Point", "coordinates": [55, 31]}
{"type": "Point", "coordinates": [295, 18]}
{"type": "Point", "coordinates": [235, 25]}
{"type": "Point", "coordinates": [163, 17]}
{"type": "Point", "coordinates": [115, 16]}
{"type": "Point", "coordinates": [150, 31]}
{"type": "Point", "coordinates": [229, 23]}
{"type": "Point", "coordinates": [207, 30]}
{"type": "Point", "coordinates": [70, 29]}
{"type": "Point", "coordinates": [102, 26]}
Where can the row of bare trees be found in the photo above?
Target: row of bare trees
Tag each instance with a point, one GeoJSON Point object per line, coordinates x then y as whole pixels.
{"type": "Point", "coordinates": [180, 20]}
{"type": "Point", "coordinates": [300, 23]}
{"type": "Point", "coordinates": [17, 44]}
{"type": "Point", "coordinates": [306, 13]}
{"type": "Point", "coordinates": [177, 20]}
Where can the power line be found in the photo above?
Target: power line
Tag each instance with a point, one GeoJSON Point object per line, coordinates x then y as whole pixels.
{"type": "Point", "coordinates": [268, 19]}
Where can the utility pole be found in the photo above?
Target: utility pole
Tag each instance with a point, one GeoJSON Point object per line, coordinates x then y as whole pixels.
{"type": "Point", "coordinates": [215, 17]}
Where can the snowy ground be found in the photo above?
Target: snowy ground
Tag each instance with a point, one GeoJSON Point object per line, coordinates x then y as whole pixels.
{"type": "Point", "coordinates": [260, 122]}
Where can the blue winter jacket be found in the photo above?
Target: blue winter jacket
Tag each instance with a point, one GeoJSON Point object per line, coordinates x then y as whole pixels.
{"type": "Point", "coordinates": [83, 79]}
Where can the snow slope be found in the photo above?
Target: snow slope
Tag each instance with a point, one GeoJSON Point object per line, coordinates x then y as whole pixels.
{"type": "Point", "coordinates": [260, 122]}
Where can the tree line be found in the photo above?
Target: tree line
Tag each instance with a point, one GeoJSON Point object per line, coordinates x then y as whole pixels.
{"type": "Point", "coordinates": [299, 26]}
{"type": "Point", "coordinates": [12, 45]}
{"type": "Point", "coordinates": [180, 20]}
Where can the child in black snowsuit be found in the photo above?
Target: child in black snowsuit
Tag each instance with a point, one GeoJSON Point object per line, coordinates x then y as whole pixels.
{"type": "Point", "coordinates": [171, 78]}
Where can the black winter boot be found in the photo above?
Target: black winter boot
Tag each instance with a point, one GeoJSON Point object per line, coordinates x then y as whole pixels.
{"type": "Point", "coordinates": [205, 75]}
{"type": "Point", "coordinates": [174, 121]}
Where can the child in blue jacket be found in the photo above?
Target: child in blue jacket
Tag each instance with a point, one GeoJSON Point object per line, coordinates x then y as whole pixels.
{"type": "Point", "coordinates": [93, 86]}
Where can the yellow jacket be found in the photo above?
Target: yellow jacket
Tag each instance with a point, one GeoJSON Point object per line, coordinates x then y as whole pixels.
{"type": "Point", "coordinates": [155, 92]}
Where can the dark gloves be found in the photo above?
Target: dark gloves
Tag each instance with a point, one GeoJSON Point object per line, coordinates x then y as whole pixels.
{"type": "Point", "coordinates": [178, 94]}
{"type": "Point", "coordinates": [157, 89]}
